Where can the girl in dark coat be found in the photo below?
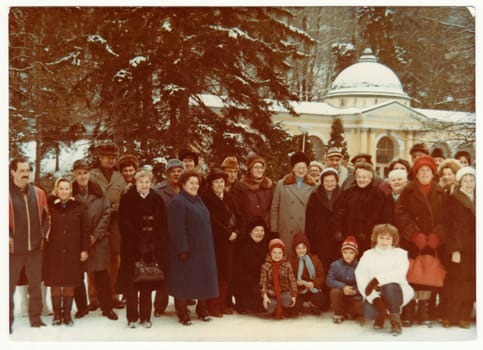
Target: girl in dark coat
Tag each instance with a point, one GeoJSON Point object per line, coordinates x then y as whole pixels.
{"type": "Point", "coordinates": [460, 286]}
{"type": "Point", "coordinates": [250, 254]}
{"type": "Point", "coordinates": [224, 227]}
{"type": "Point", "coordinates": [321, 223]}
{"type": "Point", "coordinates": [419, 218]}
{"type": "Point", "coordinates": [191, 262]}
{"type": "Point", "coordinates": [361, 207]}
{"type": "Point", "coordinates": [143, 224]}
{"type": "Point", "coordinates": [68, 242]}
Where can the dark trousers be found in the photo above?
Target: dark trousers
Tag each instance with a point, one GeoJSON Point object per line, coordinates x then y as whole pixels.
{"type": "Point", "coordinates": [103, 285]}
{"type": "Point", "coordinates": [161, 299]}
{"type": "Point", "coordinates": [317, 299]}
{"type": "Point", "coordinates": [249, 300]}
{"type": "Point", "coordinates": [138, 303]}
{"type": "Point", "coordinates": [32, 261]}
{"type": "Point", "coordinates": [344, 304]}
{"type": "Point", "coordinates": [391, 294]}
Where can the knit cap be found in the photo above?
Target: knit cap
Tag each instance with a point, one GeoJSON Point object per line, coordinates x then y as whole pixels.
{"type": "Point", "coordinates": [298, 238]}
{"type": "Point", "coordinates": [424, 160]}
{"type": "Point", "coordinates": [350, 243]}
{"type": "Point", "coordinates": [467, 170]}
{"type": "Point", "coordinates": [255, 159]}
{"type": "Point", "coordinates": [276, 243]}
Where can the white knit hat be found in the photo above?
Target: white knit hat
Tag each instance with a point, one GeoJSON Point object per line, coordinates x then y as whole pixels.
{"type": "Point", "coordinates": [467, 170]}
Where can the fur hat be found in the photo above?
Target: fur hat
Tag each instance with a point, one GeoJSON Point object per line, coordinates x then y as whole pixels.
{"type": "Point", "coordinates": [216, 174]}
{"type": "Point", "coordinates": [230, 162]}
{"type": "Point", "coordinates": [276, 243]}
{"type": "Point", "coordinates": [329, 171]}
{"type": "Point", "coordinates": [298, 238]}
{"type": "Point", "coordinates": [298, 157]}
{"type": "Point", "coordinates": [188, 154]}
{"type": "Point", "coordinates": [128, 160]}
{"type": "Point", "coordinates": [254, 222]}
{"type": "Point", "coordinates": [453, 164]}
{"type": "Point", "coordinates": [350, 243]}
{"type": "Point", "coordinates": [467, 170]}
{"type": "Point", "coordinates": [334, 151]}
{"type": "Point", "coordinates": [174, 163]}
{"type": "Point", "coordinates": [465, 154]}
{"type": "Point", "coordinates": [108, 149]}
{"type": "Point", "coordinates": [80, 164]}
{"type": "Point", "coordinates": [419, 147]}
{"type": "Point", "coordinates": [424, 160]}
{"type": "Point", "coordinates": [437, 153]}
{"type": "Point", "coordinates": [366, 156]}
{"type": "Point", "coordinates": [255, 159]}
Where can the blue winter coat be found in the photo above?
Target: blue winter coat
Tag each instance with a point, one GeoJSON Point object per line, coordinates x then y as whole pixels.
{"type": "Point", "coordinates": [341, 274]}
{"type": "Point", "coordinates": [190, 231]}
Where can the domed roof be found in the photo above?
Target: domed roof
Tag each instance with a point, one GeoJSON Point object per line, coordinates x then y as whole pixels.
{"type": "Point", "coordinates": [367, 77]}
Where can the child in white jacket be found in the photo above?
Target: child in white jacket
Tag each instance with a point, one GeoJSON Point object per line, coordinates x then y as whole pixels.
{"type": "Point", "coordinates": [381, 278]}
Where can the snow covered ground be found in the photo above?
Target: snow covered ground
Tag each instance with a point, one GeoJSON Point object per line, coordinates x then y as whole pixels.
{"type": "Point", "coordinates": [230, 328]}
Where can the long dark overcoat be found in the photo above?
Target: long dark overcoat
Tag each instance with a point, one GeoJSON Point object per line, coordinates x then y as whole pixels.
{"type": "Point", "coordinates": [460, 284]}
{"type": "Point", "coordinates": [255, 199]}
{"type": "Point", "coordinates": [67, 238]}
{"type": "Point", "coordinates": [223, 223]}
{"type": "Point", "coordinates": [98, 214]}
{"type": "Point", "coordinates": [190, 231]}
{"type": "Point", "coordinates": [360, 210]}
{"type": "Point", "coordinates": [136, 242]}
{"type": "Point", "coordinates": [321, 225]}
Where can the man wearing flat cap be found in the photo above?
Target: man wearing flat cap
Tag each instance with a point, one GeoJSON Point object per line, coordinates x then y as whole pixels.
{"type": "Point", "coordinates": [334, 157]}
{"type": "Point", "coordinates": [112, 182]}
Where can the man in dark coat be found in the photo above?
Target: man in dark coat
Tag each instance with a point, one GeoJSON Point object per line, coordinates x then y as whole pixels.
{"type": "Point", "coordinates": [29, 223]}
{"type": "Point", "coordinates": [98, 212]}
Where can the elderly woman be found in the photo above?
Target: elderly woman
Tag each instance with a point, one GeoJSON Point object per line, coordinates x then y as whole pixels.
{"type": "Point", "coordinates": [396, 164]}
{"type": "Point", "coordinates": [191, 266]}
{"type": "Point", "coordinates": [66, 250]}
{"type": "Point", "coordinates": [143, 225]}
{"type": "Point", "coordinates": [315, 168]}
{"type": "Point", "coordinates": [361, 207]}
{"type": "Point", "coordinates": [290, 200]}
{"type": "Point", "coordinates": [224, 227]}
{"type": "Point", "coordinates": [460, 287]}
{"type": "Point", "coordinates": [397, 180]}
{"type": "Point", "coordinates": [321, 218]}
{"type": "Point", "coordinates": [419, 218]}
{"type": "Point", "coordinates": [447, 174]}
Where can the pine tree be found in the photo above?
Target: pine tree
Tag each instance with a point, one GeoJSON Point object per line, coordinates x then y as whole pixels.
{"type": "Point", "coordinates": [337, 138]}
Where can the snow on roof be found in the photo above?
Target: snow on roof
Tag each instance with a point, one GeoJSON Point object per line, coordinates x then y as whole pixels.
{"type": "Point", "coordinates": [448, 116]}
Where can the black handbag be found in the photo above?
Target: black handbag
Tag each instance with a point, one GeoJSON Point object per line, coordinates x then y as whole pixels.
{"type": "Point", "coordinates": [147, 272]}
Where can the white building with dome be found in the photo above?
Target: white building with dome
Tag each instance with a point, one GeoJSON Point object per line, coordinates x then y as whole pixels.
{"type": "Point", "coordinates": [377, 117]}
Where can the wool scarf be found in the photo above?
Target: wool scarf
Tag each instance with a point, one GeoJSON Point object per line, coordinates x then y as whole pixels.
{"type": "Point", "coordinates": [276, 287]}
{"type": "Point", "coordinates": [305, 260]}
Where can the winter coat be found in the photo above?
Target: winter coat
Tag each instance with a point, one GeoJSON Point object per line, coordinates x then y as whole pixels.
{"type": "Point", "coordinates": [144, 235]}
{"type": "Point", "coordinates": [114, 189]}
{"type": "Point", "coordinates": [318, 280]}
{"type": "Point", "coordinates": [223, 223]}
{"type": "Point", "coordinates": [249, 258]}
{"type": "Point", "coordinates": [342, 274]}
{"type": "Point", "coordinates": [387, 266]}
{"type": "Point", "coordinates": [360, 210]}
{"type": "Point", "coordinates": [288, 207]}
{"type": "Point", "coordinates": [416, 213]}
{"type": "Point", "coordinates": [28, 224]}
{"type": "Point", "coordinates": [68, 237]}
{"type": "Point", "coordinates": [99, 216]}
{"type": "Point", "coordinates": [321, 224]}
{"type": "Point", "coordinates": [165, 190]}
{"type": "Point", "coordinates": [190, 231]}
{"type": "Point", "coordinates": [287, 280]}
{"type": "Point", "coordinates": [255, 199]}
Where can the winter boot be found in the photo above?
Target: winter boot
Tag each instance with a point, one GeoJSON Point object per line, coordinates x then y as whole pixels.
{"type": "Point", "coordinates": [423, 313]}
{"type": "Point", "coordinates": [395, 324]}
{"type": "Point", "coordinates": [182, 311]}
{"type": "Point", "coordinates": [202, 310]}
{"type": "Point", "coordinates": [57, 306]}
{"type": "Point", "coordinates": [67, 301]}
{"type": "Point", "coordinates": [381, 313]}
{"type": "Point", "coordinates": [407, 316]}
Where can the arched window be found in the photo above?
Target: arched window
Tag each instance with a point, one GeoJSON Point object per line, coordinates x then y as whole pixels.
{"type": "Point", "coordinates": [318, 147]}
{"type": "Point", "coordinates": [385, 150]}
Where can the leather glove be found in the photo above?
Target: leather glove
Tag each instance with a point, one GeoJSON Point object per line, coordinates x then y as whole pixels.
{"type": "Point", "coordinates": [419, 240]}
{"type": "Point", "coordinates": [434, 240]}
{"type": "Point", "coordinates": [371, 286]}
{"type": "Point", "coordinates": [184, 256]}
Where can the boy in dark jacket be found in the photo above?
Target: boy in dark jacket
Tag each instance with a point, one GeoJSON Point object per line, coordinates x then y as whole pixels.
{"type": "Point", "coordinates": [345, 299]}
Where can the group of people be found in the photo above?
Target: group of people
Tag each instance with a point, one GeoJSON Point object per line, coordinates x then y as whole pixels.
{"type": "Point", "coordinates": [248, 244]}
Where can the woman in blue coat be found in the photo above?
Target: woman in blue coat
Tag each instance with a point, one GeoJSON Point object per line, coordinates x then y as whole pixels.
{"type": "Point", "coordinates": [191, 263]}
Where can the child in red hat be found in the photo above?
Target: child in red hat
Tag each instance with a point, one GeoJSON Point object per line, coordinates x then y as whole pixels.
{"type": "Point", "coordinates": [277, 282]}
